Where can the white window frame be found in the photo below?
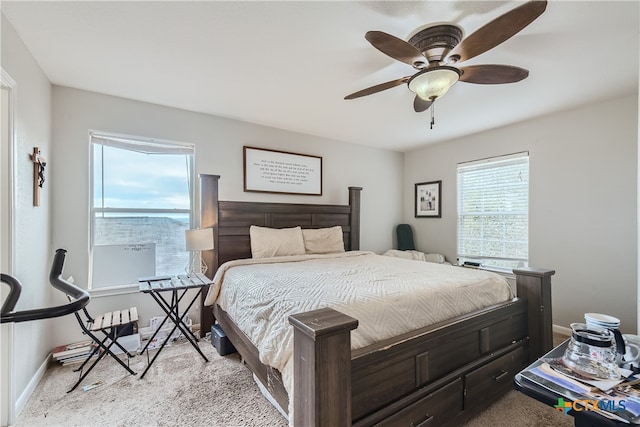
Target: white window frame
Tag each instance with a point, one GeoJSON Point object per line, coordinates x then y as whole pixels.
{"type": "Point", "coordinates": [145, 145]}
{"type": "Point", "coordinates": [481, 260]}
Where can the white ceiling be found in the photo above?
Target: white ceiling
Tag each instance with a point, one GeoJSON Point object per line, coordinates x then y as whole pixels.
{"type": "Point", "coordinates": [290, 64]}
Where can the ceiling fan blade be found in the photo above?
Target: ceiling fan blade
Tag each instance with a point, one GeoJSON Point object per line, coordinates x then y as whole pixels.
{"type": "Point", "coordinates": [497, 31]}
{"type": "Point", "coordinates": [396, 48]}
{"type": "Point", "coordinates": [420, 105]}
{"type": "Point", "coordinates": [492, 74]}
{"type": "Point", "coordinates": [378, 88]}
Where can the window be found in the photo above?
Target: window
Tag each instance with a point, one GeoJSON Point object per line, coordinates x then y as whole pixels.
{"type": "Point", "coordinates": [493, 212]}
{"type": "Point", "coordinates": [142, 203]}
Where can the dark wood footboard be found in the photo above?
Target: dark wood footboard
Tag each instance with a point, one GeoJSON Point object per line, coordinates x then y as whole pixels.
{"type": "Point", "coordinates": [439, 375]}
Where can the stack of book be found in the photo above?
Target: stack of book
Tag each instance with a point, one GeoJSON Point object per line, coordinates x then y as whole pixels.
{"type": "Point", "coordinates": [614, 399]}
{"type": "Point", "coordinates": [74, 352]}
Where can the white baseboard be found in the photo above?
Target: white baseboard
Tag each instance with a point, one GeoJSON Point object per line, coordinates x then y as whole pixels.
{"type": "Point", "coordinates": [26, 394]}
{"type": "Point", "coordinates": [562, 330]}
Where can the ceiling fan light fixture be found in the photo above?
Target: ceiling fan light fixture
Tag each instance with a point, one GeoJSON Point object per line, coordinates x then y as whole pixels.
{"type": "Point", "coordinates": [433, 83]}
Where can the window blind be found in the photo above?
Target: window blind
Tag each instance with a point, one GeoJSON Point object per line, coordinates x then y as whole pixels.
{"type": "Point", "coordinates": [493, 211]}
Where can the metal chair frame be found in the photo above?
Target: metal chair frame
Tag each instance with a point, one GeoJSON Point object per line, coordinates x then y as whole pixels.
{"type": "Point", "coordinates": [111, 333]}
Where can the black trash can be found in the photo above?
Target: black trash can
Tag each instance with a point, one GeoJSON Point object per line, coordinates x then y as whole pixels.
{"type": "Point", "coordinates": [220, 341]}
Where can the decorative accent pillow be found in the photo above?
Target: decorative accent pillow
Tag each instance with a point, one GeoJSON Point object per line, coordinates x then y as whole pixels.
{"type": "Point", "coordinates": [269, 242]}
{"type": "Point", "coordinates": [323, 240]}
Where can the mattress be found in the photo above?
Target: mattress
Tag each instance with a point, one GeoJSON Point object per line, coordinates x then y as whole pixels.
{"type": "Point", "coordinates": [389, 296]}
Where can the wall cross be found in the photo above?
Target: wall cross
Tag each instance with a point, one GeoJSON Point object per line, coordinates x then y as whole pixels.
{"type": "Point", "coordinates": [39, 163]}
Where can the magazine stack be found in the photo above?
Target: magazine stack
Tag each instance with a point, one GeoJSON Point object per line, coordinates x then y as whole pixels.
{"type": "Point", "coordinates": [72, 353]}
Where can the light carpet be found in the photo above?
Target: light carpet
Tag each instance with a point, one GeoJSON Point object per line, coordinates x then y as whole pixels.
{"type": "Point", "coordinates": [181, 389]}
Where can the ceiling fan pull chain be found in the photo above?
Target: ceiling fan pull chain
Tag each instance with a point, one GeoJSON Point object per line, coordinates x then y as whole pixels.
{"type": "Point", "coordinates": [433, 120]}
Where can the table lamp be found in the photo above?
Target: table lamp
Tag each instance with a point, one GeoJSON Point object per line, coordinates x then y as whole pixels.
{"type": "Point", "coordinates": [196, 241]}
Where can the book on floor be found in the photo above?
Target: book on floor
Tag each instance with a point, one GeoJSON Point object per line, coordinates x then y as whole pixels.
{"type": "Point", "coordinates": [73, 349]}
{"type": "Point", "coordinates": [73, 360]}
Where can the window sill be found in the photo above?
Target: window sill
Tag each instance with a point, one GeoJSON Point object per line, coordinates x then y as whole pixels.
{"type": "Point", "coordinates": [506, 272]}
{"type": "Point", "coordinates": [114, 290]}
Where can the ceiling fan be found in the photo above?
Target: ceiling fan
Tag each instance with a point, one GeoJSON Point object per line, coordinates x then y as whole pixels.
{"type": "Point", "coordinates": [436, 50]}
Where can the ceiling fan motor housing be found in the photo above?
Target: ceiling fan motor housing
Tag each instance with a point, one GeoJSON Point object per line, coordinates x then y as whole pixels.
{"type": "Point", "coordinates": [437, 41]}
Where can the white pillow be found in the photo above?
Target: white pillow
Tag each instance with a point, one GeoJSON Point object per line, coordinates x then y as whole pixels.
{"type": "Point", "coordinates": [416, 255]}
{"type": "Point", "coordinates": [269, 242]}
{"type": "Point", "coordinates": [323, 240]}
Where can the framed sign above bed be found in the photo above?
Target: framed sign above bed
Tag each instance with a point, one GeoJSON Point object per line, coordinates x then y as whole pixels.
{"type": "Point", "coordinates": [428, 199]}
{"type": "Point", "coordinates": [273, 171]}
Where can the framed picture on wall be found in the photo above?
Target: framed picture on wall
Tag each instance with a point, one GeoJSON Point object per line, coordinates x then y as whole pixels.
{"type": "Point", "coordinates": [273, 171]}
{"type": "Point", "coordinates": [428, 198]}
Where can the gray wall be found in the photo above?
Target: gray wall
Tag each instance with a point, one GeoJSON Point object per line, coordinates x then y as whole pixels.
{"type": "Point", "coordinates": [32, 224]}
{"type": "Point", "coordinates": [582, 213]}
{"type": "Point", "coordinates": [219, 144]}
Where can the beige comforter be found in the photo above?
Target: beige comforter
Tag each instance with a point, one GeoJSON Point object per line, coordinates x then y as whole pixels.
{"type": "Point", "coordinates": [388, 296]}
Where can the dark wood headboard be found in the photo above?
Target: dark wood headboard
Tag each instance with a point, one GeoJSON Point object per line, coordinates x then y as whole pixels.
{"type": "Point", "coordinates": [231, 222]}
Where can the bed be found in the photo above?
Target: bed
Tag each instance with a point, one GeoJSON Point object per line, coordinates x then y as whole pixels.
{"type": "Point", "coordinates": [440, 374]}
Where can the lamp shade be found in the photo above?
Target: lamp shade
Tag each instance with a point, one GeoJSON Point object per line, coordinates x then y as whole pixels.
{"type": "Point", "coordinates": [199, 239]}
{"type": "Point", "coordinates": [433, 83]}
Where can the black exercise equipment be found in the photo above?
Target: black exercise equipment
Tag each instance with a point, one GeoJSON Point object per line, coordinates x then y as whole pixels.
{"type": "Point", "coordinates": [108, 324]}
{"type": "Point", "coordinates": [80, 296]}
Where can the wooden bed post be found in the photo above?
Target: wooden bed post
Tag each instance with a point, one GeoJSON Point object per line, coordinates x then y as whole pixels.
{"type": "Point", "coordinates": [322, 368]}
{"type": "Point", "coordinates": [354, 218]}
{"type": "Point", "coordinates": [534, 284]}
{"type": "Point", "coordinates": [208, 219]}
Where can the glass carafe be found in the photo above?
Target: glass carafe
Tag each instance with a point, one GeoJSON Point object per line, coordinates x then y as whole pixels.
{"type": "Point", "coordinates": [592, 352]}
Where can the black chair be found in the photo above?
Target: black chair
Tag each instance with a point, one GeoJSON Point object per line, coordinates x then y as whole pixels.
{"type": "Point", "coordinates": [112, 325]}
{"type": "Point", "coordinates": [405, 237]}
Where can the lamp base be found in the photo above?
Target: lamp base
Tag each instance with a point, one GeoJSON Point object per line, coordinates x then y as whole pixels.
{"type": "Point", "coordinates": [197, 264]}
